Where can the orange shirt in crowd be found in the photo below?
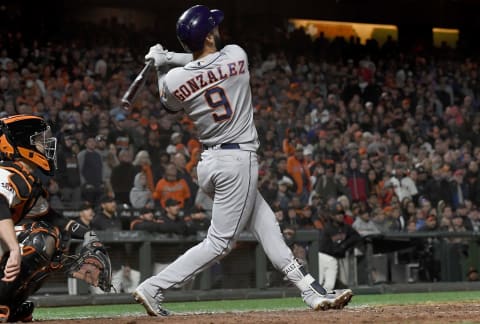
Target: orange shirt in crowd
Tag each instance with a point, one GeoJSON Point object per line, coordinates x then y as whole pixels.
{"type": "Point", "coordinates": [299, 173]}
{"type": "Point", "coordinates": [194, 158]}
{"type": "Point", "coordinates": [147, 169]}
{"type": "Point", "coordinates": [177, 190]}
{"type": "Point", "coordinates": [288, 147]}
{"type": "Point", "coordinates": [193, 144]}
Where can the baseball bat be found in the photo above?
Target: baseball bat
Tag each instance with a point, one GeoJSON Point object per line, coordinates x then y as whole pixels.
{"type": "Point", "coordinates": [137, 84]}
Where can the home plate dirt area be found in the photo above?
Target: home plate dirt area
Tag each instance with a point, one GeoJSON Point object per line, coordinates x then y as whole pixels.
{"type": "Point", "coordinates": [464, 312]}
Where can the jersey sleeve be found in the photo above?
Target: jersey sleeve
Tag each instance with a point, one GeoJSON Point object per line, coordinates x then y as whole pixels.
{"type": "Point", "coordinates": [168, 100]}
{"type": "Point", "coordinates": [7, 189]}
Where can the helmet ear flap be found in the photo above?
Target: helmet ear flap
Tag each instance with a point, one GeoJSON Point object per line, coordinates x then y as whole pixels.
{"type": "Point", "coordinates": [7, 150]}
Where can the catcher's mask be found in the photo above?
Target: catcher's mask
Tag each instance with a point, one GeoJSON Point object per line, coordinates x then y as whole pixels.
{"type": "Point", "coordinates": [28, 137]}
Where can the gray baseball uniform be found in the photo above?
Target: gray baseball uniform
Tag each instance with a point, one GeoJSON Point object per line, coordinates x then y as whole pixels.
{"type": "Point", "coordinates": [215, 93]}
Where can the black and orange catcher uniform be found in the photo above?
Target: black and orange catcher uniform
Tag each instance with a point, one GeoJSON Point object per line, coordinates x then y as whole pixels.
{"type": "Point", "coordinates": [42, 233]}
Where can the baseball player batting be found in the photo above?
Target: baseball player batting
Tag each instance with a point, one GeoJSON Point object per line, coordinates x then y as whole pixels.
{"type": "Point", "coordinates": [212, 87]}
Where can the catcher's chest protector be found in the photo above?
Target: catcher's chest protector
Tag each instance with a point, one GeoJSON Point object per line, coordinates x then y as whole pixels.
{"type": "Point", "coordinates": [24, 185]}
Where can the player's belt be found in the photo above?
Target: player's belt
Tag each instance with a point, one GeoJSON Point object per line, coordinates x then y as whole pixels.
{"type": "Point", "coordinates": [223, 146]}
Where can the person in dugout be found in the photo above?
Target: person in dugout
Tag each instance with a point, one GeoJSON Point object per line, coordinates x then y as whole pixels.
{"type": "Point", "coordinates": [33, 250]}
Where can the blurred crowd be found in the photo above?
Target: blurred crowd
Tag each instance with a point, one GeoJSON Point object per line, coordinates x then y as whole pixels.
{"type": "Point", "coordinates": [387, 139]}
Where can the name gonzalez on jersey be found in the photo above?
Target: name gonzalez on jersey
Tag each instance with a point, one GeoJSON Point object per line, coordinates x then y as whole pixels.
{"type": "Point", "coordinates": [209, 77]}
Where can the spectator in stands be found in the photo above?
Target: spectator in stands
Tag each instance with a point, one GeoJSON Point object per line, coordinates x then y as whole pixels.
{"type": "Point", "coordinates": [307, 218]}
{"type": "Point", "coordinates": [438, 187]}
{"type": "Point", "coordinates": [327, 185]}
{"type": "Point", "coordinates": [357, 181]}
{"type": "Point", "coordinates": [292, 216]}
{"type": "Point", "coordinates": [279, 170]}
{"type": "Point", "coordinates": [408, 209]}
{"type": "Point", "coordinates": [91, 172]}
{"type": "Point", "coordinates": [197, 220]}
{"type": "Point", "coordinates": [380, 221]}
{"type": "Point", "coordinates": [140, 195]}
{"type": "Point", "coordinates": [194, 159]}
{"type": "Point", "coordinates": [364, 225]}
{"type": "Point", "coordinates": [88, 124]}
{"type": "Point", "coordinates": [335, 240]}
{"type": "Point", "coordinates": [171, 186]}
{"type": "Point", "coordinates": [123, 176]}
{"type": "Point", "coordinates": [118, 134]}
{"type": "Point", "coordinates": [458, 189]}
{"type": "Point", "coordinates": [86, 214]}
{"type": "Point", "coordinates": [157, 153]}
{"type": "Point", "coordinates": [125, 280]}
{"type": "Point", "coordinates": [300, 173]}
{"type": "Point", "coordinates": [172, 218]}
{"type": "Point", "coordinates": [474, 217]}
{"type": "Point", "coordinates": [398, 222]}
{"type": "Point", "coordinates": [471, 179]}
{"type": "Point", "coordinates": [463, 212]}
{"type": "Point", "coordinates": [289, 142]}
{"type": "Point", "coordinates": [68, 174]}
{"type": "Point", "coordinates": [107, 219]}
{"type": "Point", "coordinates": [54, 197]}
{"type": "Point", "coordinates": [180, 161]}
{"type": "Point", "coordinates": [143, 163]}
{"type": "Point", "coordinates": [284, 193]}
{"type": "Point", "coordinates": [146, 221]}
{"type": "Point", "coordinates": [176, 144]}
{"type": "Point", "coordinates": [430, 225]}
{"type": "Point", "coordinates": [108, 152]}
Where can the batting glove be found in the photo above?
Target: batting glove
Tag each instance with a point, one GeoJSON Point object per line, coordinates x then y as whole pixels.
{"type": "Point", "coordinates": [158, 54]}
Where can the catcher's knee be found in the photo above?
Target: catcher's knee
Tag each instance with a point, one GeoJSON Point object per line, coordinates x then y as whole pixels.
{"type": "Point", "coordinates": [40, 243]}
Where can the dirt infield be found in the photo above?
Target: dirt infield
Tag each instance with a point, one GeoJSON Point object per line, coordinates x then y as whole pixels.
{"type": "Point", "coordinates": [422, 313]}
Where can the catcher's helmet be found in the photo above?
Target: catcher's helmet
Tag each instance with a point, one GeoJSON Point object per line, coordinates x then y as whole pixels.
{"type": "Point", "coordinates": [195, 24]}
{"type": "Point", "coordinates": [25, 136]}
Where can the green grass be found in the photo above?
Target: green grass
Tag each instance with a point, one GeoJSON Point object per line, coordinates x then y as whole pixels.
{"type": "Point", "coordinates": [249, 305]}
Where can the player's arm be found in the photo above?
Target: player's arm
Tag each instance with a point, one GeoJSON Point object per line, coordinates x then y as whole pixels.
{"type": "Point", "coordinates": [164, 59]}
{"type": "Point", "coordinates": [74, 228]}
{"type": "Point", "coordinates": [9, 238]}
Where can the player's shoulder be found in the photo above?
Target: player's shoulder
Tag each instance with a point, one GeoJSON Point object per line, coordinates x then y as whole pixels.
{"type": "Point", "coordinates": [233, 48]}
{"type": "Point", "coordinates": [13, 185]}
{"type": "Point", "coordinates": [175, 75]}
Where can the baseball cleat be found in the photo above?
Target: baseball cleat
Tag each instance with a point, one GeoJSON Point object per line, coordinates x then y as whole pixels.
{"type": "Point", "coordinates": [153, 307]}
{"type": "Point", "coordinates": [22, 313]}
{"type": "Point", "coordinates": [336, 299]}
{"type": "Point", "coordinates": [317, 301]}
{"type": "Point", "coordinates": [342, 297]}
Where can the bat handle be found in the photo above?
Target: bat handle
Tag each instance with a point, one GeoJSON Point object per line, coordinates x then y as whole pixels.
{"type": "Point", "coordinates": [136, 85]}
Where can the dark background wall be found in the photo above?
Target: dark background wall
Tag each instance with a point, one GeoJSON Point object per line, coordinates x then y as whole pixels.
{"type": "Point", "coordinates": [415, 18]}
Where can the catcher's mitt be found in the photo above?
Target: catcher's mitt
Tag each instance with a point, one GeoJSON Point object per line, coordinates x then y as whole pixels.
{"type": "Point", "coordinates": [92, 265]}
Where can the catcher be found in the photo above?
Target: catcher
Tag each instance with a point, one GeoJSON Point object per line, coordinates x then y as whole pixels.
{"type": "Point", "coordinates": [31, 252]}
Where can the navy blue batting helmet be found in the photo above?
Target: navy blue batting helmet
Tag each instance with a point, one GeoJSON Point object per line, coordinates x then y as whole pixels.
{"type": "Point", "coordinates": [195, 24]}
